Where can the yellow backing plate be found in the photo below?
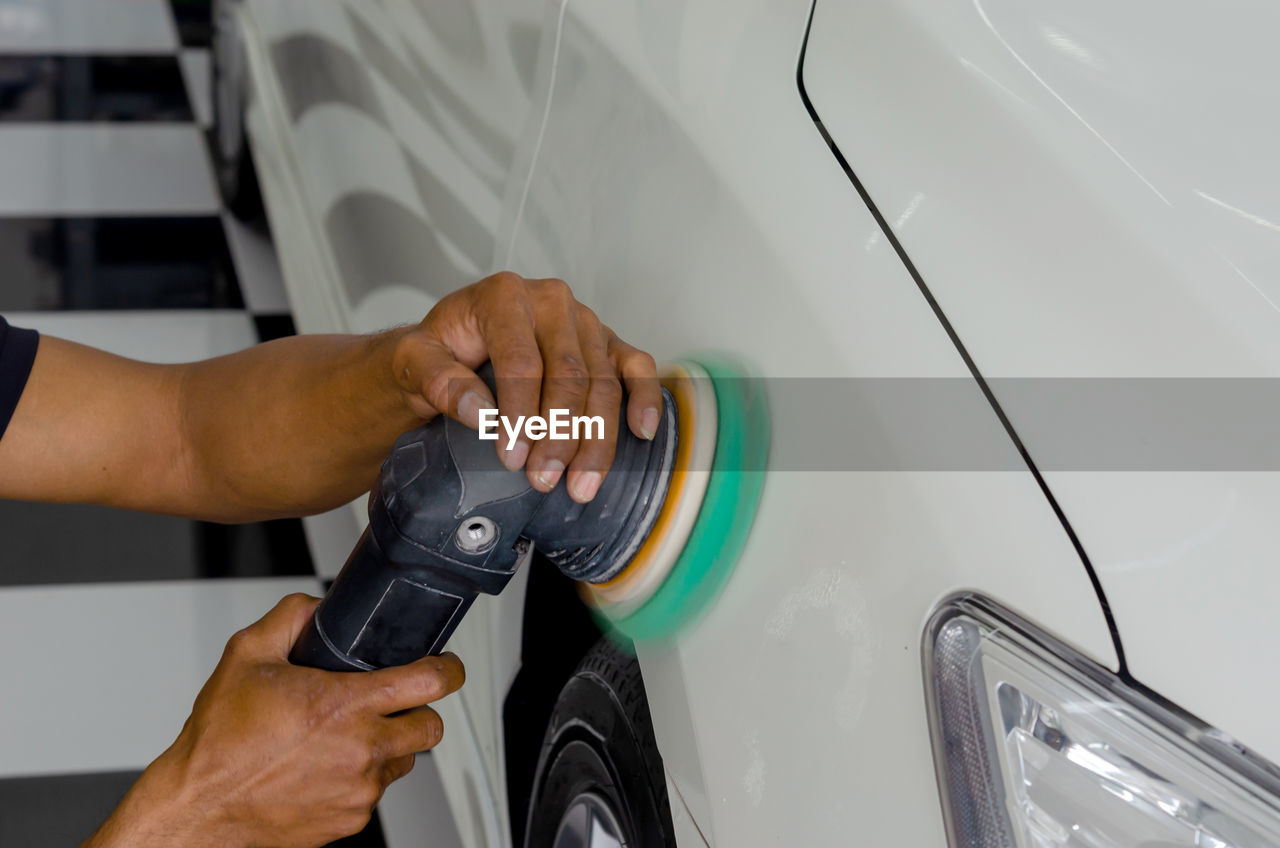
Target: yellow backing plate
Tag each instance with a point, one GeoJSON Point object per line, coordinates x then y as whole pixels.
{"type": "Point", "coordinates": [696, 427]}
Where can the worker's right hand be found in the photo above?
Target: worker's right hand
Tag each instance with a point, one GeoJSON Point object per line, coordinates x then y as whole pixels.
{"type": "Point", "coordinates": [548, 352]}
{"type": "Point", "coordinates": [277, 754]}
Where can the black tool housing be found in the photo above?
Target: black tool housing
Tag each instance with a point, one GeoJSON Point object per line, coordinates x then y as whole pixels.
{"type": "Point", "coordinates": [447, 521]}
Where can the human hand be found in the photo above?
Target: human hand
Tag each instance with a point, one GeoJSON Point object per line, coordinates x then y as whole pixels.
{"type": "Point", "coordinates": [281, 755]}
{"type": "Point", "coordinates": [548, 352]}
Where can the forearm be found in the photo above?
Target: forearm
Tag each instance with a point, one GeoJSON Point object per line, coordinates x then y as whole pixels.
{"type": "Point", "coordinates": [153, 815]}
{"type": "Point", "coordinates": [290, 427]}
{"type": "Point", "coordinates": [300, 425]}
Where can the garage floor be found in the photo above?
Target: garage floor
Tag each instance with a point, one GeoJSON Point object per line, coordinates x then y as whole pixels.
{"type": "Point", "coordinates": [112, 233]}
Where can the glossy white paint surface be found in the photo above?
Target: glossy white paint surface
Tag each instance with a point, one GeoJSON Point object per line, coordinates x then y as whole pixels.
{"type": "Point", "coordinates": [686, 829]}
{"type": "Point", "coordinates": [684, 190]}
{"type": "Point", "coordinates": [1085, 195]}
{"type": "Point", "coordinates": [415, 805]}
{"type": "Point", "coordinates": [310, 279]}
{"type": "Point", "coordinates": [257, 267]}
{"type": "Point", "coordinates": [444, 89]}
{"type": "Point", "coordinates": [1092, 188]}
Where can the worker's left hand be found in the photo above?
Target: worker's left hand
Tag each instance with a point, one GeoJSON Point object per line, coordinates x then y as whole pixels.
{"type": "Point", "coordinates": [548, 352]}
{"type": "Point", "coordinates": [277, 754]}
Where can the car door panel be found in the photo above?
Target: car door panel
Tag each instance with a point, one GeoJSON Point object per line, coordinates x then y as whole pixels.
{"type": "Point", "coordinates": [404, 119]}
{"type": "Point", "coordinates": [683, 188]}
{"type": "Point", "coordinates": [1101, 206]}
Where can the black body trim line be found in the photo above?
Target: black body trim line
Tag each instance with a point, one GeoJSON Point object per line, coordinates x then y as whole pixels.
{"type": "Point", "coordinates": [959, 345]}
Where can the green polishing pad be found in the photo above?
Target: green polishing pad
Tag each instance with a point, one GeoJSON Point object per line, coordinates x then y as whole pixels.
{"type": "Point", "coordinates": [724, 520]}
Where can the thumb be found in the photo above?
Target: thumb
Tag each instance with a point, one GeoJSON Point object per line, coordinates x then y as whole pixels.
{"type": "Point", "coordinates": [430, 371]}
{"type": "Point", "coordinates": [280, 628]}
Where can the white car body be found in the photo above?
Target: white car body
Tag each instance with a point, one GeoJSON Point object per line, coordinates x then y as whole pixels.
{"type": "Point", "coordinates": [1085, 190]}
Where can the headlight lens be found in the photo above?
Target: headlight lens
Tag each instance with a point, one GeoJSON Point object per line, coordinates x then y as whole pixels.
{"type": "Point", "coordinates": [1036, 747]}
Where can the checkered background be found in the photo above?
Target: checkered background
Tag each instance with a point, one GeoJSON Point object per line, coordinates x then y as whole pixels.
{"type": "Point", "coordinates": [112, 233]}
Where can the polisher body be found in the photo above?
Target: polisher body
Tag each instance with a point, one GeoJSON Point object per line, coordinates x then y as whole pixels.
{"type": "Point", "coordinates": [447, 522]}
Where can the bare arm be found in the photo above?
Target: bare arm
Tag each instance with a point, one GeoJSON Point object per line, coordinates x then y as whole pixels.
{"type": "Point", "coordinates": [289, 427]}
{"type": "Point", "coordinates": [274, 753]}
{"type": "Point", "coordinates": [300, 425]}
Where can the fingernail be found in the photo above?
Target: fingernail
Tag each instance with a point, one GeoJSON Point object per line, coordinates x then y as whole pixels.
{"type": "Point", "coordinates": [649, 422]}
{"type": "Point", "coordinates": [586, 486]}
{"type": "Point", "coordinates": [469, 406]}
{"type": "Point", "coordinates": [515, 457]}
{"type": "Point", "coordinates": [550, 474]}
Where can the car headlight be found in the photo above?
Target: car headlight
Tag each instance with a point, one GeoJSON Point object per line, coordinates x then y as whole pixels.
{"type": "Point", "coordinates": [1035, 746]}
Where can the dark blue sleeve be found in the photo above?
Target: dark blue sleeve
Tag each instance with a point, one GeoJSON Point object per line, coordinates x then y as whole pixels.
{"type": "Point", "coordinates": [17, 353]}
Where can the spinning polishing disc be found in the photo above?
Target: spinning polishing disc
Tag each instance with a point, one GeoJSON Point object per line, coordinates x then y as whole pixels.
{"type": "Point", "coordinates": [722, 445]}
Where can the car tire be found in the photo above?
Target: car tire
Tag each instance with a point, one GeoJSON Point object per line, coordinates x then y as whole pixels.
{"type": "Point", "coordinates": [600, 780]}
{"type": "Point", "coordinates": [232, 160]}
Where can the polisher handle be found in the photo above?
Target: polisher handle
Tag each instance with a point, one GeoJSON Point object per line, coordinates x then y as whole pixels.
{"type": "Point", "coordinates": [373, 616]}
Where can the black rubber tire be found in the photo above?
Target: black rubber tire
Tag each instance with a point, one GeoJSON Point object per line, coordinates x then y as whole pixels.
{"type": "Point", "coordinates": [600, 740]}
{"type": "Point", "coordinates": [232, 163]}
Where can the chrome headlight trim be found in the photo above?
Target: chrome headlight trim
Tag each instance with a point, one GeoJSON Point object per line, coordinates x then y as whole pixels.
{"type": "Point", "coordinates": [972, 764]}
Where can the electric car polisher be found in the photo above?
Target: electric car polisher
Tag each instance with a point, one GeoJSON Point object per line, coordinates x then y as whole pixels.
{"type": "Point", "coordinates": [447, 521]}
